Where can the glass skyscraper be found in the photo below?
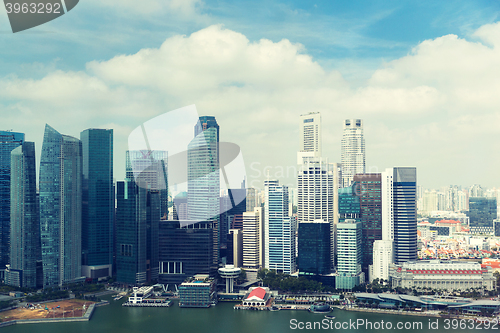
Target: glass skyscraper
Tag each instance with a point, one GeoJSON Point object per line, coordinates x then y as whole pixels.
{"type": "Point", "coordinates": [314, 247]}
{"type": "Point", "coordinates": [61, 208]}
{"type": "Point", "coordinates": [8, 142]}
{"type": "Point", "coordinates": [98, 202]}
{"type": "Point", "coordinates": [203, 171]}
{"type": "Point", "coordinates": [25, 248]}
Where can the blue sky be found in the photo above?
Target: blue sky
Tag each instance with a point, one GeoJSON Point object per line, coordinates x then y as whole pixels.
{"type": "Point", "coordinates": [399, 65]}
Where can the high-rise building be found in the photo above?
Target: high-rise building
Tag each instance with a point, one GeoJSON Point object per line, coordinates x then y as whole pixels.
{"type": "Point", "coordinates": [369, 189]}
{"type": "Point", "coordinates": [253, 239]}
{"type": "Point", "coordinates": [317, 184]}
{"type": "Point", "coordinates": [310, 137]}
{"type": "Point", "coordinates": [314, 247]}
{"type": "Point", "coordinates": [187, 249]}
{"type": "Point", "coordinates": [98, 203]}
{"type": "Point", "coordinates": [203, 171]}
{"type": "Point", "coordinates": [137, 223]}
{"type": "Point", "coordinates": [482, 212]}
{"type": "Point", "coordinates": [280, 227]}
{"type": "Point", "coordinates": [399, 212]}
{"type": "Point", "coordinates": [251, 199]}
{"type": "Point", "coordinates": [61, 208]}
{"type": "Point", "coordinates": [349, 254]}
{"type": "Point", "coordinates": [8, 142]}
{"type": "Point", "coordinates": [476, 191]}
{"type": "Point", "coordinates": [25, 250]}
{"type": "Point", "coordinates": [352, 150]}
{"type": "Point", "coordinates": [349, 204]}
{"type": "Point", "coordinates": [382, 259]}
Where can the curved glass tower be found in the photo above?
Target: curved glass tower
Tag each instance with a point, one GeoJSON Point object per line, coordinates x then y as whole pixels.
{"type": "Point", "coordinates": [60, 208]}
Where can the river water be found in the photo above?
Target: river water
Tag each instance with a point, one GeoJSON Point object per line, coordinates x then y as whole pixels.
{"type": "Point", "coordinates": [224, 319]}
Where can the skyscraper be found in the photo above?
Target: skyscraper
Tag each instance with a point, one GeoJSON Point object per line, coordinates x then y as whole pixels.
{"type": "Point", "coordinates": [399, 212]}
{"type": "Point", "coordinates": [253, 239]}
{"type": "Point", "coordinates": [310, 136]}
{"type": "Point", "coordinates": [280, 227]}
{"type": "Point", "coordinates": [369, 190]}
{"type": "Point", "coordinates": [314, 247]}
{"type": "Point", "coordinates": [8, 142]}
{"type": "Point", "coordinates": [352, 150]}
{"type": "Point", "coordinates": [25, 220]}
{"type": "Point", "coordinates": [137, 223]}
{"type": "Point", "coordinates": [203, 171]}
{"type": "Point", "coordinates": [349, 254]}
{"type": "Point", "coordinates": [98, 203]}
{"type": "Point", "coordinates": [61, 208]}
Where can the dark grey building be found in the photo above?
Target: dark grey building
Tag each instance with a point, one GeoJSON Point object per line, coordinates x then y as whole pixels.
{"type": "Point", "coordinates": [187, 248]}
{"type": "Point", "coordinates": [314, 247]}
{"type": "Point", "coordinates": [482, 212]}
{"type": "Point", "coordinates": [98, 203]}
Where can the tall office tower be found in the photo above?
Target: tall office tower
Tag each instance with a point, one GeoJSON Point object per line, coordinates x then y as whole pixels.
{"type": "Point", "coordinates": [399, 212]}
{"type": "Point", "coordinates": [253, 239]}
{"type": "Point", "coordinates": [187, 249]}
{"type": "Point", "coordinates": [352, 150]}
{"type": "Point", "coordinates": [203, 171]}
{"type": "Point", "coordinates": [8, 142]}
{"type": "Point", "coordinates": [137, 219]}
{"type": "Point", "coordinates": [482, 212]}
{"type": "Point", "coordinates": [349, 255]}
{"type": "Point", "coordinates": [98, 203]}
{"type": "Point", "coordinates": [279, 230]}
{"type": "Point", "coordinates": [149, 169]}
{"type": "Point", "coordinates": [310, 137]}
{"type": "Point", "coordinates": [369, 190]}
{"type": "Point", "coordinates": [25, 248]}
{"type": "Point", "coordinates": [251, 199]}
{"type": "Point", "coordinates": [317, 185]}
{"type": "Point", "coordinates": [349, 204]}
{"type": "Point", "coordinates": [476, 191]}
{"type": "Point", "coordinates": [61, 208]}
{"type": "Point", "coordinates": [314, 247]}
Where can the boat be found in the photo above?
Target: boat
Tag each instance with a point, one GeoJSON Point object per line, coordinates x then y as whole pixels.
{"type": "Point", "coordinates": [329, 317]}
{"type": "Point", "coordinates": [117, 298]}
{"type": "Point", "coordinates": [274, 308]}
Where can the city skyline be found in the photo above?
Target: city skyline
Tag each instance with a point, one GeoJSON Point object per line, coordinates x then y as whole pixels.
{"type": "Point", "coordinates": [421, 76]}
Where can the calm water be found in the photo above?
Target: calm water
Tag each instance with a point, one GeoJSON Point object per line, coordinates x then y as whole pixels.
{"type": "Point", "coordinates": [220, 319]}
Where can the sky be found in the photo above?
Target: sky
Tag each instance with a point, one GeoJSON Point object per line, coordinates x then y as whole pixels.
{"type": "Point", "coordinates": [424, 77]}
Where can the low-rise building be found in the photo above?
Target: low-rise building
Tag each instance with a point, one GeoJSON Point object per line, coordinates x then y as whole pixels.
{"type": "Point", "coordinates": [444, 275]}
{"type": "Point", "coordinates": [257, 297]}
{"type": "Point", "coordinates": [199, 291]}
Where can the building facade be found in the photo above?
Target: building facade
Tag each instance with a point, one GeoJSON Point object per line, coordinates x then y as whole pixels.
{"type": "Point", "coordinates": [314, 247]}
{"type": "Point", "coordinates": [280, 227]}
{"type": "Point", "coordinates": [444, 275]}
{"type": "Point", "coordinates": [98, 205]}
{"type": "Point", "coordinates": [349, 255]}
{"type": "Point", "coordinates": [8, 142]}
{"type": "Point", "coordinates": [61, 208]}
{"type": "Point", "coordinates": [25, 245]}
{"type": "Point", "coordinates": [253, 239]}
{"type": "Point", "coordinates": [310, 137]}
{"type": "Point", "coordinates": [482, 212]}
{"type": "Point", "coordinates": [352, 150]}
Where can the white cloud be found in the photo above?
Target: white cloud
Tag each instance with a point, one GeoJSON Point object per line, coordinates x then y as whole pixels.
{"type": "Point", "coordinates": [416, 108]}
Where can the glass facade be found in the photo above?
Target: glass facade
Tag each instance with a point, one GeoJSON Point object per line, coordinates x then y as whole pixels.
{"type": "Point", "coordinates": [98, 198]}
{"type": "Point", "coordinates": [369, 190]}
{"type": "Point", "coordinates": [349, 255]}
{"type": "Point", "coordinates": [137, 218]}
{"type": "Point", "coordinates": [25, 222]}
{"type": "Point", "coordinates": [482, 212]}
{"type": "Point", "coordinates": [8, 142]}
{"type": "Point", "coordinates": [314, 248]}
{"type": "Point", "coordinates": [60, 207]}
{"type": "Point", "coordinates": [186, 249]}
{"type": "Point", "coordinates": [349, 204]}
